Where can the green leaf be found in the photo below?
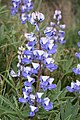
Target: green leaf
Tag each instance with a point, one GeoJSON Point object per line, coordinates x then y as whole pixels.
{"type": "Point", "coordinates": [13, 117]}
{"type": "Point", "coordinates": [57, 116]}
{"type": "Point", "coordinates": [68, 109]}
{"type": "Point", "coordinates": [11, 105]}
{"type": "Point", "coordinates": [12, 85]}
{"type": "Point", "coordinates": [62, 112]}
{"type": "Point", "coordinates": [69, 117]}
{"type": "Point", "coordinates": [75, 110]}
{"type": "Point", "coordinates": [7, 102]}
{"type": "Point", "coordinates": [58, 86]}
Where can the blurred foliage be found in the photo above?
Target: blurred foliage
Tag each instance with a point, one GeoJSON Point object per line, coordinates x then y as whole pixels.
{"type": "Point", "coordinates": [76, 10]}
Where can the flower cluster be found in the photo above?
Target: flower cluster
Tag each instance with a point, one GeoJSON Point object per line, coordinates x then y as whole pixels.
{"type": "Point", "coordinates": [56, 31]}
{"type": "Point", "coordinates": [19, 64]}
{"type": "Point", "coordinates": [23, 7]}
{"type": "Point", "coordinates": [36, 56]}
{"type": "Point", "coordinates": [77, 54]}
{"type": "Point", "coordinates": [75, 86]}
{"type": "Point", "coordinates": [34, 18]}
{"type": "Point", "coordinates": [76, 70]}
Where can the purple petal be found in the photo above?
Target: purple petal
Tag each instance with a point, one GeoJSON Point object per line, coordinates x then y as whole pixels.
{"type": "Point", "coordinates": [53, 86]}
{"type": "Point", "coordinates": [69, 89]}
{"type": "Point", "coordinates": [22, 100]}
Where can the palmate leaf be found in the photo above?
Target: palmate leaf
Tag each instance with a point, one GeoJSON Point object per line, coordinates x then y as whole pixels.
{"type": "Point", "coordinates": [69, 112]}
{"type": "Point", "coordinates": [11, 108]}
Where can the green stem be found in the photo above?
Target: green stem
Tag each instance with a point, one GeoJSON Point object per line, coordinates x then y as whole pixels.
{"type": "Point", "coordinates": [39, 73]}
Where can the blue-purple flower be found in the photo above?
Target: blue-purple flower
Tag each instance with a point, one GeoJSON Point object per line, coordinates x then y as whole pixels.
{"type": "Point", "coordinates": [77, 55]}
{"type": "Point", "coordinates": [46, 83]}
{"type": "Point", "coordinates": [38, 96]}
{"type": "Point", "coordinates": [55, 31]}
{"type": "Point", "coordinates": [49, 62]}
{"type": "Point", "coordinates": [79, 33]}
{"type": "Point", "coordinates": [22, 7]}
{"type": "Point", "coordinates": [78, 44]}
{"type": "Point", "coordinates": [47, 105]}
{"type": "Point", "coordinates": [35, 17]}
{"type": "Point", "coordinates": [33, 110]}
{"type": "Point", "coordinates": [76, 70]}
{"type": "Point", "coordinates": [75, 87]}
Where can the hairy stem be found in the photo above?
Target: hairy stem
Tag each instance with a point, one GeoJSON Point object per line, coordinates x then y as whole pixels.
{"type": "Point", "coordinates": [39, 73]}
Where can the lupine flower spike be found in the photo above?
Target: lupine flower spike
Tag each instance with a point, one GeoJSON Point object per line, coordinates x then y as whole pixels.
{"type": "Point", "coordinates": [38, 53]}
{"type": "Point", "coordinates": [22, 7]}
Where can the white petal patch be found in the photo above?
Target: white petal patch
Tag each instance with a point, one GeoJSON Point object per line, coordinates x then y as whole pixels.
{"type": "Point", "coordinates": [27, 69]}
{"type": "Point", "coordinates": [34, 52]}
{"type": "Point", "coordinates": [27, 88]}
{"type": "Point", "coordinates": [23, 7]}
{"type": "Point", "coordinates": [44, 40]}
{"type": "Point", "coordinates": [44, 78]}
{"type": "Point", "coordinates": [78, 66]}
{"type": "Point", "coordinates": [35, 65]}
{"type": "Point", "coordinates": [46, 54]}
{"type": "Point", "coordinates": [77, 82]}
{"type": "Point", "coordinates": [72, 84]}
{"type": "Point", "coordinates": [39, 94]}
{"type": "Point", "coordinates": [25, 95]}
{"type": "Point", "coordinates": [49, 60]}
{"type": "Point", "coordinates": [51, 80]}
{"type": "Point", "coordinates": [40, 52]}
{"type": "Point", "coordinates": [13, 74]}
{"type": "Point", "coordinates": [50, 46]}
{"type": "Point", "coordinates": [32, 96]}
{"type": "Point", "coordinates": [46, 100]}
{"type": "Point", "coordinates": [30, 79]}
{"type": "Point", "coordinates": [33, 108]}
{"type": "Point", "coordinates": [28, 56]}
{"type": "Point", "coordinates": [23, 16]}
